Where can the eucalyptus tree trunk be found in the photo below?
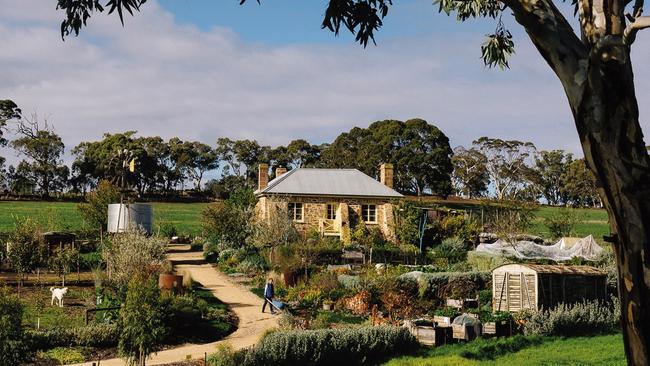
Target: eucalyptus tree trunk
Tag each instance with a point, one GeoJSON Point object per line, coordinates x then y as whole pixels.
{"type": "Point", "coordinates": [596, 74]}
{"type": "Point", "coordinates": [611, 137]}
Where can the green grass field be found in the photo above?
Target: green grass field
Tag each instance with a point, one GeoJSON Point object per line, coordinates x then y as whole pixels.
{"type": "Point", "coordinates": [64, 216]}
{"type": "Point", "coordinates": [187, 217]}
{"type": "Point", "coordinates": [593, 222]}
{"type": "Point", "coordinates": [600, 350]}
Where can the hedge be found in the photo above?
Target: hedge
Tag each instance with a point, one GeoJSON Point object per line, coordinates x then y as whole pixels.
{"type": "Point", "coordinates": [430, 283]}
{"type": "Point", "coordinates": [581, 319]}
{"type": "Point", "coordinates": [97, 335]}
{"type": "Point", "coordinates": [351, 346]}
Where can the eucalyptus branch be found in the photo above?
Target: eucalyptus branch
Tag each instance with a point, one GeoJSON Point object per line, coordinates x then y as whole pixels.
{"type": "Point", "coordinates": [30, 126]}
{"type": "Point", "coordinates": [639, 23]}
{"type": "Point", "coordinates": [637, 10]}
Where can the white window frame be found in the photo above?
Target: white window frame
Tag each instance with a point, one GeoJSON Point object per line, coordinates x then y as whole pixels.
{"type": "Point", "coordinates": [294, 208]}
{"type": "Point", "coordinates": [365, 213]}
{"type": "Point", "coordinates": [335, 207]}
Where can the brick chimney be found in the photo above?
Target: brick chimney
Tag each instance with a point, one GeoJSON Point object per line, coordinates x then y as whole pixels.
{"type": "Point", "coordinates": [386, 174]}
{"type": "Point", "coordinates": [262, 176]}
{"type": "Point", "coordinates": [279, 171]}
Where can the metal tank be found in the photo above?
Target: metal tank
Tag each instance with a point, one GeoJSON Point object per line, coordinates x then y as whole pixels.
{"type": "Point", "coordinates": [124, 216]}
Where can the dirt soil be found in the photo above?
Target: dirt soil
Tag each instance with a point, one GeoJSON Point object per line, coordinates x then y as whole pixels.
{"type": "Point", "coordinates": [246, 305]}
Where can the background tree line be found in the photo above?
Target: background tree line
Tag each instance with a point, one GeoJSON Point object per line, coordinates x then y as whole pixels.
{"type": "Point", "coordinates": [516, 170]}
{"type": "Point", "coordinates": [419, 150]}
{"type": "Point", "coordinates": [423, 159]}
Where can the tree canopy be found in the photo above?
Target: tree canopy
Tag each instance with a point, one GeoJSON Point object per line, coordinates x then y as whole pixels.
{"type": "Point", "coordinates": [419, 151]}
{"type": "Point", "coordinates": [44, 150]}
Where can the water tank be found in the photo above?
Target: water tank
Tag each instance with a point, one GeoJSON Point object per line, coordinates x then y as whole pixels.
{"type": "Point", "coordinates": [125, 216]}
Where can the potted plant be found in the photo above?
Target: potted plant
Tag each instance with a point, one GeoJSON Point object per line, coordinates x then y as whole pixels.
{"type": "Point", "coordinates": [328, 304]}
{"type": "Point", "coordinates": [167, 280]}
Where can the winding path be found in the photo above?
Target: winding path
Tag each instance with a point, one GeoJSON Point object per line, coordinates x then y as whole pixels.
{"type": "Point", "coordinates": [246, 305]}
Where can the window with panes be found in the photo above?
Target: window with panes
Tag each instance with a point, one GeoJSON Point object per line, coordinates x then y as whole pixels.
{"type": "Point", "coordinates": [331, 211]}
{"type": "Point", "coordinates": [295, 211]}
{"type": "Point", "coordinates": [369, 213]}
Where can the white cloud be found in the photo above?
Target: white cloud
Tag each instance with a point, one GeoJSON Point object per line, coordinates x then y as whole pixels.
{"type": "Point", "coordinates": [162, 78]}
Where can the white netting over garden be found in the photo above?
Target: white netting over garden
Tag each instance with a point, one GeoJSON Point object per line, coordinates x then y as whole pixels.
{"type": "Point", "coordinates": [563, 250]}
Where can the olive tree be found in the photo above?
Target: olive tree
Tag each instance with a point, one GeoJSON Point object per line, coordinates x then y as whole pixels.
{"type": "Point", "coordinates": [25, 248]}
{"type": "Point", "coordinates": [62, 260]}
{"type": "Point", "coordinates": [130, 254]}
{"type": "Point", "coordinates": [142, 330]}
{"type": "Point", "coordinates": [594, 67]}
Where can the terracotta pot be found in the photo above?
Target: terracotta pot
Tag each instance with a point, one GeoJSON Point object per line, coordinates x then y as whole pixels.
{"type": "Point", "coordinates": [168, 281]}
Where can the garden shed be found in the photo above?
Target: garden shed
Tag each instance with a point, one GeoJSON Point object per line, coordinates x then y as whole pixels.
{"type": "Point", "coordinates": [58, 240]}
{"type": "Point", "coordinates": [517, 287]}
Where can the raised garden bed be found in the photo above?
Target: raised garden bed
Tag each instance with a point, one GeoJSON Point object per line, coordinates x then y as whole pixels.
{"type": "Point", "coordinates": [501, 328]}
{"type": "Point", "coordinates": [428, 334]}
{"type": "Point", "coordinates": [443, 320]}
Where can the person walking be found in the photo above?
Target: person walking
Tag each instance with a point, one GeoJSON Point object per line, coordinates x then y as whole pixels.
{"type": "Point", "coordinates": [268, 295]}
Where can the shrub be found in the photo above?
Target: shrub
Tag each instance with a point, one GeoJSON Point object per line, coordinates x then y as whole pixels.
{"type": "Point", "coordinates": [141, 321]}
{"type": "Point", "coordinates": [585, 318]}
{"type": "Point", "coordinates": [131, 254]}
{"type": "Point", "coordinates": [225, 356]}
{"type": "Point", "coordinates": [454, 249]}
{"type": "Point", "coordinates": [321, 250]}
{"type": "Point", "coordinates": [168, 230]}
{"type": "Point", "coordinates": [447, 311]}
{"type": "Point", "coordinates": [26, 249]}
{"type": "Point", "coordinates": [350, 282]}
{"type": "Point", "coordinates": [489, 349]}
{"type": "Point", "coordinates": [93, 211]}
{"type": "Point", "coordinates": [65, 356]}
{"type": "Point", "coordinates": [497, 316]}
{"type": "Point", "coordinates": [226, 222]}
{"type": "Point", "coordinates": [365, 345]}
{"type": "Point", "coordinates": [407, 222]}
{"type": "Point", "coordinates": [90, 260]}
{"type": "Point", "coordinates": [562, 222]}
{"type": "Point", "coordinates": [12, 348]}
{"type": "Point", "coordinates": [457, 226]}
{"type": "Point", "coordinates": [479, 261]}
{"type": "Point", "coordinates": [252, 263]}
{"type": "Point", "coordinates": [96, 335]}
{"type": "Point", "coordinates": [431, 284]}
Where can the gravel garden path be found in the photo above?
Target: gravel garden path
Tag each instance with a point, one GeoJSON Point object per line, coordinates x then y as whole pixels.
{"type": "Point", "coordinates": [246, 305]}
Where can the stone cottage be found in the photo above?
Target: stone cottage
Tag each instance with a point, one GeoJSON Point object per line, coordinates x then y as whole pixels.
{"type": "Point", "coordinates": [331, 201]}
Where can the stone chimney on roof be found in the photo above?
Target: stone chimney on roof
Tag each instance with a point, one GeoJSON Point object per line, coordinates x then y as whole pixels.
{"type": "Point", "coordinates": [279, 171]}
{"type": "Point", "coordinates": [386, 174]}
{"type": "Point", "coordinates": [262, 176]}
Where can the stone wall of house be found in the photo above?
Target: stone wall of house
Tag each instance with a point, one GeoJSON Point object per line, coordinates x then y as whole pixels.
{"type": "Point", "coordinates": [315, 209]}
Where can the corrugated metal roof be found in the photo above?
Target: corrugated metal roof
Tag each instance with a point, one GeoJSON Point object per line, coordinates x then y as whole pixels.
{"type": "Point", "coordinates": [328, 182]}
{"type": "Point", "coordinates": [561, 269]}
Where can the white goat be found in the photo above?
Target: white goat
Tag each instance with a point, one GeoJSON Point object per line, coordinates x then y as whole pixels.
{"type": "Point", "coordinates": [57, 293]}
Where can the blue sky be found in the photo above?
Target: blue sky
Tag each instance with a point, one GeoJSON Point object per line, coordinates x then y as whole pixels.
{"type": "Point", "coordinates": [204, 69]}
{"type": "Point", "coordinates": [289, 21]}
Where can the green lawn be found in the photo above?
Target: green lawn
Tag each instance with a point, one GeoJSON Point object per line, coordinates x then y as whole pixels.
{"type": "Point", "coordinates": [37, 301]}
{"type": "Point", "coordinates": [593, 222]}
{"type": "Point", "coordinates": [187, 217]}
{"type": "Point", "coordinates": [65, 217]}
{"type": "Point", "coordinates": [583, 351]}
